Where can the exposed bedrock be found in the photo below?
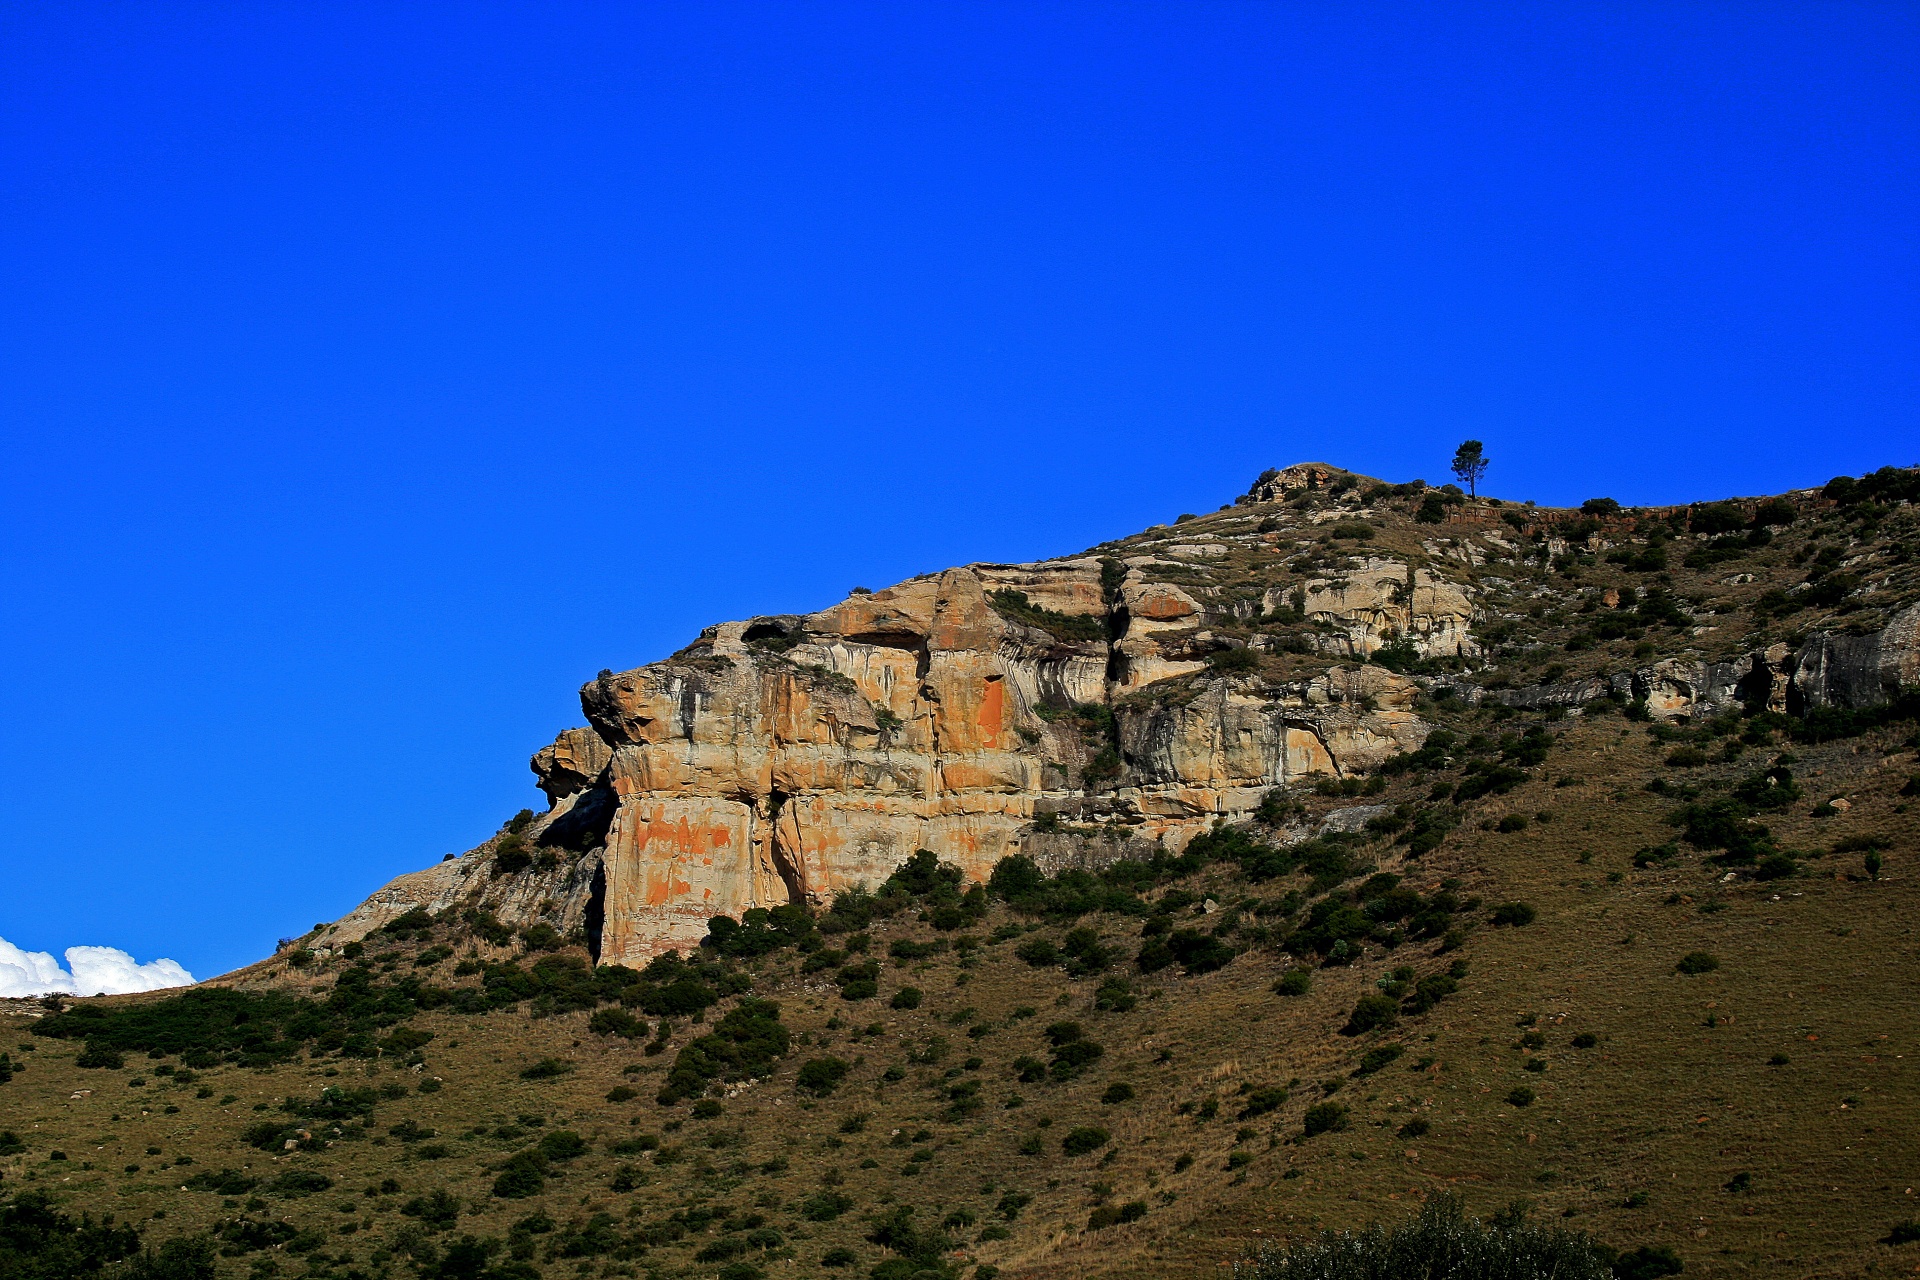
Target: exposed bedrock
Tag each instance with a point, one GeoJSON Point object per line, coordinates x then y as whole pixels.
{"type": "Point", "coordinates": [1074, 709]}
{"type": "Point", "coordinates": [1827, 670]}
{"type": "Point", "coordinates": [788, 759]}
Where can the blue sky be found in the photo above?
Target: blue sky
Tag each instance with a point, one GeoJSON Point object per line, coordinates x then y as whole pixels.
{"type": "Point", "coordinates": [370, 376]}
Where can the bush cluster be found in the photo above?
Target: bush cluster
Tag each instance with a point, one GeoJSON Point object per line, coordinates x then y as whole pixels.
{"type": "Point", "coordinates": [742, 1045]}
{"type": "Point", "coordinates": [39, 1242]}
{"type": "Point", "coordinates": [1442, 1241]}
{"type": "Point", "coordinates": [1074, 628]}
{"type": "Point", "coordinates": [207, 1025]}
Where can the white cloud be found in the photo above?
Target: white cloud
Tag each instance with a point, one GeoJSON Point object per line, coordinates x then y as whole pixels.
{"type": "Point", "coordinates": [90, 971]}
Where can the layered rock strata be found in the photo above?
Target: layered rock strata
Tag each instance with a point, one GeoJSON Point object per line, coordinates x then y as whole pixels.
{"type": "Point", "coordinates": [1074, 710]}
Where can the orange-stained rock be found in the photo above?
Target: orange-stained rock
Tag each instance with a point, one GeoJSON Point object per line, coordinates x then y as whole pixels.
{"type": "Point", "coordinates": [790, 758]}
{"type": "Point", "coordinates": [1158, 601]}
{"type": "Point", "coordinates": [673, 863]}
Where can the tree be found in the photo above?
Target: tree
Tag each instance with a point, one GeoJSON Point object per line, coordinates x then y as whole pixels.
{"type": "Point", "coordinates": [1469, 464]}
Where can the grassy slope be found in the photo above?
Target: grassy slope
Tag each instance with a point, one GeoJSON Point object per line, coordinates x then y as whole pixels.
{"type": "Point", "coordinates": [1664, 1104]}
{"type": "Point", "coordinates": [1817, 968]}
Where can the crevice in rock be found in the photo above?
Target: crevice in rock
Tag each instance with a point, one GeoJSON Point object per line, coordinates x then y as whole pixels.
{"type": "Point", "coordinates": [584, 826]}
{"type": "Point", "coordinates": [596, 911]}
{"type": "Point", "coordinates": [786, 864]}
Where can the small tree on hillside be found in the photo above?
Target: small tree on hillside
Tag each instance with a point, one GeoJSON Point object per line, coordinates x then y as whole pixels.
{"type": "Point", "coordinates": [1469, 464]}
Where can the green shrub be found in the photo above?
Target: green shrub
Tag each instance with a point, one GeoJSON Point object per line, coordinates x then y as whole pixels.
{"type": "Point", "coordinates": [759, 931]}
{"type": "Point", "coordinates": [562, 1144]}
{"type": "Point", "coordinates": [546, 1069]}
{"type": "Point", "coordinates": [99, 1055]}
{"type": "Point", "coordinates": [1116, 1094]}
{"type": "Point", "coordinates": [1376, 1058]}
{"type": "Point", "coordinates": [1696, 962]}
{"type": "Point", "coordinates": [907, 998]}
{"type": "Point", "coordinates": [226, 1182]}
{"type": "Point", "coordinates": [1263, 1100]}
{"type": "Point", "coordinates": [38, 1242]}
{"type": "Point", "coordinates": [821, 1076]}
{"type": "Point", "coordinates": [1014, 606]}
{"type": "Point", "coordinates": [1370, 1013]}
{"type": "Point", "coordinates": [1275, 808]}
{"type": "Point", "coordinates": [1104, 765]}
{"type": "Point", "coordinates": [1108, 1215]}
{"type": "Point", "coordinates": [1648, 1262]}
{"type": "Point", "coordinates": [1440, 1241]}
{"type": "Point", "coordinates": [1195, 951]}
{"type": "Point", "coordinates": [1514, 913]}
{"type": "Point", "coordinates": [1415, 1128]}
{"type": "Point", "coordinates": [1295, 982]}
{"type": "Point", "coordinates": [438, 1210]}
{"type": "Point", "coordinates": [839, 1257]}
{"type": "Point", "coordinates": [1521, 1096]}
{"type": "Point", "coordinates": [918, 1249]}
{"type": "Point", "coordinates": [1039, 952]}
{"type": "Point", "coordinates": [621, 1093]}
{"type": "Point", "coordinates": [825, 1205]}
{"type": "Point", "coordinates": [616, 1022]}
{"type": "Point", "coordinates": [1084, 1140]}
{"type": "Point", "coordinates": [743, 1044]}
{"type": "Point", "coordinates": [1234, 660]}
{"type": "Point", "coordinates": [295, 1183]}
{"type": "Point", "coordinates": [510, 856]}
{"type": "Point", "coordinates": [1323, 1117]}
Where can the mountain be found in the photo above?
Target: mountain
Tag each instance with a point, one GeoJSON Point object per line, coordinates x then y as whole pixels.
{"type": "Point", "coordinates": [1119, 702]}
{"type": "Point", "coordinates": [1117, 915]}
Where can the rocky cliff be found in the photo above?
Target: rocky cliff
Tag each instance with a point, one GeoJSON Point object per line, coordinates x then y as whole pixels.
{"type": "Point", "coordinates": [1129, 697]}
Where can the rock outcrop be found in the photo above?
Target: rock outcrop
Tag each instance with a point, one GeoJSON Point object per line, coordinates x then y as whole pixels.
{"type": "Point", "coordinates": [786, 759]}
{"type": "Point", "coordinates": [1080, 709]}
{"type": "Point", "coordinates": [1828, 670]}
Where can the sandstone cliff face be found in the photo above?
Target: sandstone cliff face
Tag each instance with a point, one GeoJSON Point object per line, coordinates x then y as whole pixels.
{"type": "Point", "coordinates": [1072, 710]}
{"type": "Point", "coordinates": [788, 759]}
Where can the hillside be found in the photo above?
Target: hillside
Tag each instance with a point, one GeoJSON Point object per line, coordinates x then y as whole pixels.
{"type": "Point", "coordinates": [1522, 853]}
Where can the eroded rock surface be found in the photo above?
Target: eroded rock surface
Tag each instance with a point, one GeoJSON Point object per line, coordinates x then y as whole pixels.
{"type": "Point", "coordinates": [1105, 705]}
{"type": "Point", "coordinates": [788, 759]}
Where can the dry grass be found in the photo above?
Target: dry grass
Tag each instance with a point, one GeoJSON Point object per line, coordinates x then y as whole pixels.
{"type": "Point", "coordinates": [1674, 1100]}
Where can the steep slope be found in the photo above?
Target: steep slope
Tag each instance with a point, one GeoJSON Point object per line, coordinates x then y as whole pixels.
{"type": "Point", "coordinates": [1623, 926]}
